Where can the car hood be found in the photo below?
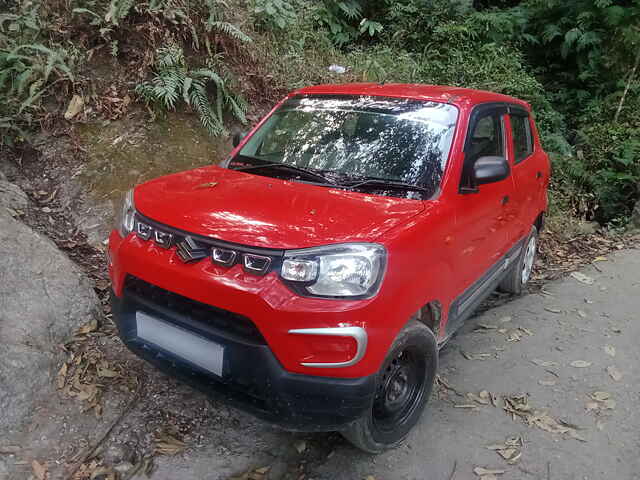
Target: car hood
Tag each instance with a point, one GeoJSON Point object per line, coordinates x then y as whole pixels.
{"type": "Point", "coordinates": [268, 212]}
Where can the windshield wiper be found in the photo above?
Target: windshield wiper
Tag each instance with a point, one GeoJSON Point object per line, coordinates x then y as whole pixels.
{"type": "Point", "coordinates": [388, 184]}
{"type": "Point", "coordinates": [292, 168]}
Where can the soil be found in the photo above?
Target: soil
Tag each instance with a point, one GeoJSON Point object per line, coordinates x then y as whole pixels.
{"type": "Point", "coordinates": [140, 411]}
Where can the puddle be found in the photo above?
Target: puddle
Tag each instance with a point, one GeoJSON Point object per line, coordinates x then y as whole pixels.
{"type": "Point", "coordinates": [123, 153]}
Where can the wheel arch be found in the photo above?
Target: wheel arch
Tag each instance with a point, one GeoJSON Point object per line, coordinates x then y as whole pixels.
{"type": "Point", "coordinates": [430, 315]}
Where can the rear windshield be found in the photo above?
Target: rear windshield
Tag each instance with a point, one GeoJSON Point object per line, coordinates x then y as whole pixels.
{"type": "Point", "coordinates": [360, 138]}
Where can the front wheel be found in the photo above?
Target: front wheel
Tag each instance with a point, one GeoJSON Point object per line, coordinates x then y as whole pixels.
{"type": "Point", "coordinates": [403, 389]}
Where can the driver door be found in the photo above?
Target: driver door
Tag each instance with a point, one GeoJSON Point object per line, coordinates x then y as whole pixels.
{"type": "Point", "coordinates": [482, 214]}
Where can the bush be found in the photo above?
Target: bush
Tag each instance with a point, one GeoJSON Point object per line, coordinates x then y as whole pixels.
{"type": "Point", "coordinates": [28, 68]}
{"type": "Point", "coordinates": [605, 173]}
{"type": "Point", "coordinates": [174, 81]}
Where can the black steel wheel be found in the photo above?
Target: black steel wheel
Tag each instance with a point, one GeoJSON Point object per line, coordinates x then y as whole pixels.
{"type": "Point", "coordinates": [403, 388]}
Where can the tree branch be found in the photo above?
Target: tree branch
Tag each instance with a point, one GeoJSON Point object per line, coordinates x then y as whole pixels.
{"type": "Point", "coordinates": [626, 88]}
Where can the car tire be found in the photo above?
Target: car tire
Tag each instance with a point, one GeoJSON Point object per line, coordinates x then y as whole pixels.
{"type": "Point", "coordinates": [520, 274]}
{"type": "Point", "coordinates": [403, 388]}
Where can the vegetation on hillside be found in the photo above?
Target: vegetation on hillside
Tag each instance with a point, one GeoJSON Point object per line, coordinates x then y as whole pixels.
{"type": "Point", "coordinates": [576, 62]}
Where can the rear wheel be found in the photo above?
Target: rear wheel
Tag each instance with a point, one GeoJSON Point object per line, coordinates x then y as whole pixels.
{"type": "Point", "coordinates": [403, 388]}
{"type": "Point", "coordinates": [520, 274]}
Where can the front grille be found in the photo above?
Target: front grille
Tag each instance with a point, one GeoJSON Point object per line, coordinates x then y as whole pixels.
{"type": "Point", "coordinates": [217, 318]}
{"type": "Point", "coordinates": [191, 247]}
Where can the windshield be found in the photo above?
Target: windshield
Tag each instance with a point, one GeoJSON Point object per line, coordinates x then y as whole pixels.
{"type": "Point", "coordinates": [358, 138]}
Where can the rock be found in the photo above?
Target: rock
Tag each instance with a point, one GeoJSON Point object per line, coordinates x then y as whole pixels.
{"type": "Point", "coordinates": [12, 196]}
{"type": "Point", "coordinates": [43, 298]}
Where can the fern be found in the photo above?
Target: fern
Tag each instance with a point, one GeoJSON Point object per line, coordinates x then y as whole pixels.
{"type": "Point", "coordinates": [173, 81]}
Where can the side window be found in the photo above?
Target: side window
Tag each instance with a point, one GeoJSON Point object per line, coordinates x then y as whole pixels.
{"type": "Point", "coordinates": [522, 141]}
{"type": "Point", "coordinates": [487, 138]}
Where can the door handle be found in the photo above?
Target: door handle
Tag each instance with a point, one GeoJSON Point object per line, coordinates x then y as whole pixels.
{"type": "Point", "coordinates": [505, 200]}
{"type": "Point", "coordinates": [539, 175]}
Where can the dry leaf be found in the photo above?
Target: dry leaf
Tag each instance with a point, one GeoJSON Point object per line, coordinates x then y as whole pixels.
{"type": "Point", "coordinates": [600, 259]}
{"type": "Point", "coordinates": [610, 350]}
{"type": "Point", "coordinates": [300, 446]}
{"type": "Point", "coordinates": [547, 383]}
{"type": "Point", "coordinates": [544, 363]}
{"type": "Point", "coordinates": [582, 278]}
{"type": "Point", "coordinates": [62, 376]}
{"type": "Point", "coordinates": [614, 373]}
{"type": "Point", "coordinates": [553, 310]}
{"type": "Point", "coordinates": [167, 444]}
{"type": "Point", "coordinates": [483, 473]}
{"type": "Point", "coordinates": [107, 372]}
{"type": "Point", "coordinates": [88, 327]}
{"type": "Point", "coordinates": [39, 470]}
{"type": "Point", "coordinates": [600, 396]}
{"type": "Point", "coordinates": [504, 319]}
{"type": "Point", "coordinates": [580, 364]}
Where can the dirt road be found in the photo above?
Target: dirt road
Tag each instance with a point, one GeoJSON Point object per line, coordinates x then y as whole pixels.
{"type": "Point", "coordinates": [564, 361]}
{"type": "Point", "coordinates": [556, 347]}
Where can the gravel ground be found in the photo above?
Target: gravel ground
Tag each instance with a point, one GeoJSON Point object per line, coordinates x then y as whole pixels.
{"type": "Point", "coordinates": [568, 321]}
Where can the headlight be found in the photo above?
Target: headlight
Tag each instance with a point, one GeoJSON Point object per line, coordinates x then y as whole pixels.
{"type": "Point", "coordinates": [343, 270]}
{"type": "Point", "coordinates": [126, 215]}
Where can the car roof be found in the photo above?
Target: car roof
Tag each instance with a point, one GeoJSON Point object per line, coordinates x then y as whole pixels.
{"type": "Point", "coordinates": [463, 97]}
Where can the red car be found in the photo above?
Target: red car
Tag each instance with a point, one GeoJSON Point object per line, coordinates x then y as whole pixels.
{"type": "Point", "coordinates": [313, 276]}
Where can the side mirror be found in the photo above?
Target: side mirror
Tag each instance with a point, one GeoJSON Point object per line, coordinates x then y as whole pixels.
{"type": "Point", "coordinates": [490, 170]}
{"type": "Point", "coordinates": [237, 138]}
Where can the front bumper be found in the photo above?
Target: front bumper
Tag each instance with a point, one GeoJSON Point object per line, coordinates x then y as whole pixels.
{"type": "Point", "coordinates": [252, 378]}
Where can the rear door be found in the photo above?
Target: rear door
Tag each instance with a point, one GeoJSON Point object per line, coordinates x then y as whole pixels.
{"type": "Point", "coordinates": [482, 213]}
{"type": "Point", "coordinates": [527, 171]}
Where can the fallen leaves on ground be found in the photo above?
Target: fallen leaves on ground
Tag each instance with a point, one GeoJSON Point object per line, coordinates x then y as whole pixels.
{"type": "Point", "coordinates": [167, 444]}
{"type": "Point", "coordinates": [94, 469]}
{"type": "Point", "coordinates": [600, 401]}
{"type": "Point", "coordinates": [614, 373]}
{"type": "Point", "coordinates": [547, 383]}
{"type": "Point", "coordinates": [90, 326]}
{"type": "Point", "coordinates": [518, 406]}
{"type": "Point", "coordinates": [82, 376]}
{"type": "Point", "coordinates": [255, 474]}
{"type": "Point", "coordinates": [483, 398]}
{"type": "Point", "coordinates": [544, 363]}
{"type": "Point", "coordinates": [444, 387]}
{"type": "Point", "coordinates": [510, 450]}
{"type": "Point", "coordinates": [487, 474]}
{"type": "Point", "coordinates": [39, 470]}
{"type": "Point", "coordinates": [553, 310]}
{"type": "Point", "coordinates": [580, 364]}
{"type": "Point", "coordinates": [477, 356]}
{"type": "Point", "coordinates": [610, 350]}
{"type": "Point", "coordinates": [515, 334]}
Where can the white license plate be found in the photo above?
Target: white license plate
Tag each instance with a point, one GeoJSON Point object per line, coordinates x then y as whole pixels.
{"type": "Point", "coordinates": [182, 343]}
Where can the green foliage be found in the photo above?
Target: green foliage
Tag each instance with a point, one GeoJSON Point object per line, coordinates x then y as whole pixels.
{"type": "Point", "coordinates": [196, 18]}
{"type": "Point", "coordinates": [28, 68]}
{"type": "Point", "coordinates": [274, 14]}
{"type": "Point", "coordinates": [603, 179]}
{"type": "Point", "coordinates": [174, 81]}
{"type": "Point", "coordinates": [345, 20]}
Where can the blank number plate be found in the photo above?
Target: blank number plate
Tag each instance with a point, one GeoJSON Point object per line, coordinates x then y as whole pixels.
{"type": "Point", "coordinates": [193, 348]}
